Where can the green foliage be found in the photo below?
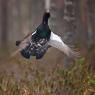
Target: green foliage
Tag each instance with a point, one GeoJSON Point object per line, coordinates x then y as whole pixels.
{"type": "Point", "coordinates": [80, 61]}
{"type": "Point", "coordinates": [92, 81]}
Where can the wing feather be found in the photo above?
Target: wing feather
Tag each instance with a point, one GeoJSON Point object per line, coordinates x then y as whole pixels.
{"type": "Point", "coordinates": [56, 42]}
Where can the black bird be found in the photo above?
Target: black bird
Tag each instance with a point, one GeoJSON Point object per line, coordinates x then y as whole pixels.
{"type": "Point", "coordinates": [39, 37]}
{"type": "Point", "coordinates": [40, 40]}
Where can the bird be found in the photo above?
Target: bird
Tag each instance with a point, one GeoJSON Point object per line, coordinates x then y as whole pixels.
{"type": "Point", "coordinates": [41, 40]}
{"type": "Point", "coordinates": [39, 37]}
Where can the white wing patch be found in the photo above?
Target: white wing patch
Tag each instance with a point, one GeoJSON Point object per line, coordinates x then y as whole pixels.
{"type": "Point", "coordinates": [56, 42]}
{"type": "Point", "coordinates": [34, 32]}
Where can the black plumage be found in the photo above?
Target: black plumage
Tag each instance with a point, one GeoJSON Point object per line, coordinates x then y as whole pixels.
{"type": "Point", "coordinates": [36, 46]}
{"type": "Point", "coordinates": [42, 31]}
{"type": "Point", "coordinates": [34, 49]}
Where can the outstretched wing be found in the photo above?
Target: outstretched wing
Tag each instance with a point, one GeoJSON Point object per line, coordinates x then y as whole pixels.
{"type": "Point", "coordinates": [56, 42]}
{"type": "Point", "coordinates": [23, 43]}
{"type": "Point", "coordinates": [20, 47]}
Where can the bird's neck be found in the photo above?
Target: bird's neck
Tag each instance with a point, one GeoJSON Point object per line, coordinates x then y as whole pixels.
{"type": "Point", "coordinates": [45, 21]}
{"type": "Point", "coordinates": [46, 16]}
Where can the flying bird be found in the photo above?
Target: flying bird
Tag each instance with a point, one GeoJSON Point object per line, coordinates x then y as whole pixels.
{"type": "Point", "coordinates": [38, 42]}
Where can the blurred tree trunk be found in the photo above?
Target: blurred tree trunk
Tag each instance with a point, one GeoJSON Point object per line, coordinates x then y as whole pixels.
{"type": "Point", "coordinates": [84, 19]}
{"type": "Point", "coordinates": [91, 32]}
{"type": "Point", "coordinates": [70, 27]}
{"type": "Point", "coordinates": [4, 21]}
{"type": "Point", "coordinates": [63, 22]}
{"type": "Point", "coordinates": [91, 21]}
{"type": "Point", "coordinates": [24, 16]}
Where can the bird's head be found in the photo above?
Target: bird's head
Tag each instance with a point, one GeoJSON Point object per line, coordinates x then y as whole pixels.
{"type": "Point", "coordinates": [46, 14]}
{"type": "Point", "coordinates": [46, 17]}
